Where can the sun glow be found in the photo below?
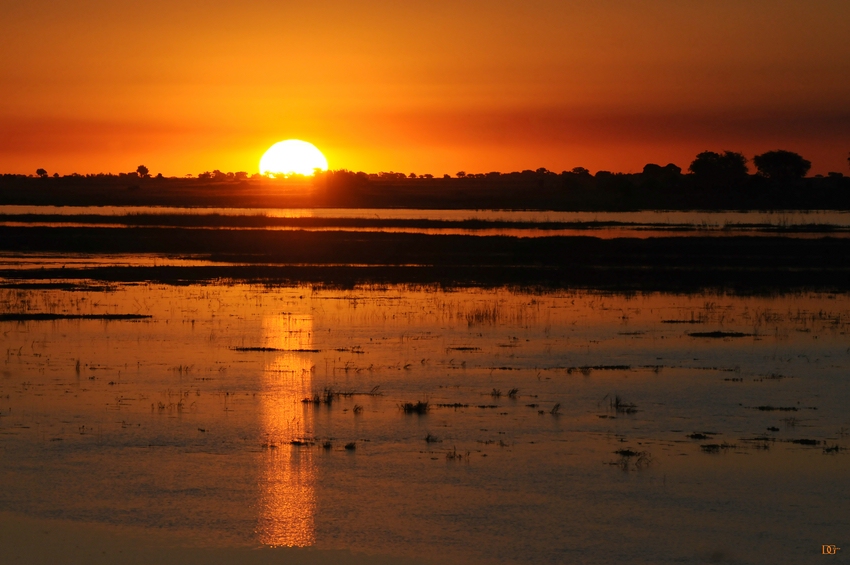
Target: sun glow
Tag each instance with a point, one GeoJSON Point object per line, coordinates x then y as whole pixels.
{"type": "Point", "coordinates": [292, 156]}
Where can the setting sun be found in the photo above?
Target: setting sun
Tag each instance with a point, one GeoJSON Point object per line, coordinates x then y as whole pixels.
{"type": "Point", "coordinates": [292, 156]}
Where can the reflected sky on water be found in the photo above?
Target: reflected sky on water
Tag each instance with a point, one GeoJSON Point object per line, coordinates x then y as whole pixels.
{"type": "Point", "coordinates": [716, 219]}
{"type": "Point", "coordinates": [185, 422]}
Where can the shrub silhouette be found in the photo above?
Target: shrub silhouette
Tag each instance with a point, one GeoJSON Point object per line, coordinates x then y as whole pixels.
{"type": "Point", "coordinates": [781, 165]}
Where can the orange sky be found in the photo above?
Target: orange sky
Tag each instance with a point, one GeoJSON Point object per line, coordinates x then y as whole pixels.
{"type": "Point", "coordinates": [184, 86]}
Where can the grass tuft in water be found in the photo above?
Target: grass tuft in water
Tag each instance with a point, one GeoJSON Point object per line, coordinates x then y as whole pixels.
{"type": "Point", "coordinates": [420, 407]}
{"type": "Point", "coordinates": [620, 406]}
{"type": "Point", "coordinates": [453, 455]}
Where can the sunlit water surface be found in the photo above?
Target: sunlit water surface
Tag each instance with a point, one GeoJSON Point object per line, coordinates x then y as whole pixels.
{"type": "Point", "coordinates": [725, 449]}
{"type": "Point", "coordinates": [606, 225]}
{"type": "Point", "coordinates": [780, 217]}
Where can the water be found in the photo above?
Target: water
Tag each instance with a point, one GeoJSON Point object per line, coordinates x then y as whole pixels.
{"type": "Point", "coordinates": [517, 224]}
{"type": "Point", "coordinates": [185, 421]}
{"type": "Point", "coordinates": [708, 218]}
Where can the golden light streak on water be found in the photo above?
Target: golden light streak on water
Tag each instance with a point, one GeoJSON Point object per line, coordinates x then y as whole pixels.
{"type": "Point", "coordinates": [287, 494]}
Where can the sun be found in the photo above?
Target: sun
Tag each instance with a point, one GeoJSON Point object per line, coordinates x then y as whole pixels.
{"type": "Point", "coordinates": [292, 156]}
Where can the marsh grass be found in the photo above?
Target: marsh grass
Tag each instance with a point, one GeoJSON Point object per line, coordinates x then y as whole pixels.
{"type": "Point", "coordinates": [420, 407]}
{"type": "Point", "coordinates": [329, 395]}
{"type": "Point", "coordinates": [483, 315]}
{"type": "Point", "coordinates": [326, 397]}
{"type": "Point", "coordinates": [632, 460]}
{"type": "Point", "coordinates": [619, 405]}
{"type": "Point", "coordinates": [719, 334]}
{"type": "Point", "coordinates": [36, 317]}
{"type": "Point", "coordinates": [805, 441]}
{"type": "Point", "coordinates": [453, 455]}
{"type": "Point", "coordinates": [717, 447]}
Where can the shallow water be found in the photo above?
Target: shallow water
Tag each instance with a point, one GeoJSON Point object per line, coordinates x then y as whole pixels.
{"type": "Point", "coordinates": [182, 422]}
{"type": "Point", "coordinates": [639, 231]}
{"type": "Point", "coordinates": [481, 223]}
{"type": "Point", "coordinates": [706, 218]}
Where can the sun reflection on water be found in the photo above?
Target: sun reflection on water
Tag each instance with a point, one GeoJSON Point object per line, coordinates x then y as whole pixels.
{"type": "Point", "coordinates": [287, 498]}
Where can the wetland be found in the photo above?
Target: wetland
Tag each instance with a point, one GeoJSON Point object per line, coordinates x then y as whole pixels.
{"type": "Point", "coordinates": [641, 389]}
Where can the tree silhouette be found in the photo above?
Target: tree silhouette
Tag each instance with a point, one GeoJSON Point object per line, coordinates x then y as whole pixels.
{"type": "Point", "coordinates": [652, 170]}
{"type": "Point", "coordinates": [143, 171]}
{"type": "Point", "coordinates": [781, 165]}
{"type": "Point", "coordinates": [726, 168]}
{"type": "Point", "coordinates": [42, 173]}
{"type": "Point", "coordinates": [461, 174]}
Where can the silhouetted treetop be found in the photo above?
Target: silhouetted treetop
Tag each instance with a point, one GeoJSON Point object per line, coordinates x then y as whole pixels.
{"type": "Point", "coordinates": [781, 165]}
{"type": "Point", "coordinates": [727, 167]}
{"type": "Point", "coordinates": [143, 171]}
{"type": "Point", "coordinates": [42, 173]}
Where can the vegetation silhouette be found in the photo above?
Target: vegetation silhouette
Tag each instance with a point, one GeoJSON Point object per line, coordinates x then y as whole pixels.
{"type": "Point", "coordinates": [770, 263]}
{"type": "Point", "coordinates": [782, 165]}
{"type": "Point", "coordinates": [720, 169]}
{"type": "Point", "coordinates": [714, 181]}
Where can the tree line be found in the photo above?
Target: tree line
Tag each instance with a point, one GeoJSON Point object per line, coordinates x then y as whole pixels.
{"type": "Point", "coordinates": [726, 168]}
